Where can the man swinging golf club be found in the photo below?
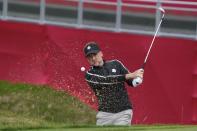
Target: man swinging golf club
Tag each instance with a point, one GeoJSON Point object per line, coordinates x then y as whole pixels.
{"type": "Point", "coordinates": [107, 78]}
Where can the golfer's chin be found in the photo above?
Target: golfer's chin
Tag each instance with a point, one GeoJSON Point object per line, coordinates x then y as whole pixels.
{"type": "Point", "coordinates": [97, 64]}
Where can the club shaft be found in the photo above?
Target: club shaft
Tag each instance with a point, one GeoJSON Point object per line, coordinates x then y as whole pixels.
{"type": "Point", "coordinates": [152, 41]}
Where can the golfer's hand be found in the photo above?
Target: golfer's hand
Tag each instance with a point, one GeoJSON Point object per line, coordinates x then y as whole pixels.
{"type": "Point", "coordinates": [137, 73]}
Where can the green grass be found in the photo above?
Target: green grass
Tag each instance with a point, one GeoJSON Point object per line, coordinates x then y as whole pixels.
{"type": "Point", "coordinates": [23, 105]}
{"type": "Point", "coordinates": [39, 108]}
{"type": "Point", "coordinates": [109, 128]}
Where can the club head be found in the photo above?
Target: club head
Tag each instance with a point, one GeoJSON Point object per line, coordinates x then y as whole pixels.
{"type": "Point", "coordinates": [161, 9]}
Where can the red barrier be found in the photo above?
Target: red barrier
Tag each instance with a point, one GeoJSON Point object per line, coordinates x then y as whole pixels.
{"type": "Point", "coordinates": [53, 55]}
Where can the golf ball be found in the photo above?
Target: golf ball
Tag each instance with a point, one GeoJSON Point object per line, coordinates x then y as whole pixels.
{"type": "Point", "coordinates": [83, 68]}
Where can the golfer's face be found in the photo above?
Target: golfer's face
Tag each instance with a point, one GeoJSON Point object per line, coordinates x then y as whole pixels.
{"type": "Point", "coordinates": [95, 59]}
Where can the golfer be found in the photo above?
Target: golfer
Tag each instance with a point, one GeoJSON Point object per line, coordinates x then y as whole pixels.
{"type": "Point", "coordinates": [107, 80]}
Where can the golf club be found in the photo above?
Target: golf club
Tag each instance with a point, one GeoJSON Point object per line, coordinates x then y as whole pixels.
{"type": "Point", "coordinates": [163, 14]}
{"type": "Point", "coordinates": [138, 80]}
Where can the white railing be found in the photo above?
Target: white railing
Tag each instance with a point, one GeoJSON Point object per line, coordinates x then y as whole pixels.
{"type": "Point", "coordinates": [168, 5]}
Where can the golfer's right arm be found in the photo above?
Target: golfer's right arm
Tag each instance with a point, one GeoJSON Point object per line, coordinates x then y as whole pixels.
{"type": "Point", "coordinates": [113, 79]}
{"type": "Point", "coordinates": [110, 79]}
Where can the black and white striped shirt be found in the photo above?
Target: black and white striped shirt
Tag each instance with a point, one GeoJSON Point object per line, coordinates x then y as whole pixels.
{"type": "Point", "coordinates": [108, 84]}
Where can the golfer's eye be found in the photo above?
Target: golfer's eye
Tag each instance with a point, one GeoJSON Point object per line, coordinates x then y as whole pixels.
{"type": "Point", "coordinates": [91, 56]}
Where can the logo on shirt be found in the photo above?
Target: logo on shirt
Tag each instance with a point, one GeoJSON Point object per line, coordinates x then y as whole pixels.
{"type": "Point", "coordinates": [114, 70]}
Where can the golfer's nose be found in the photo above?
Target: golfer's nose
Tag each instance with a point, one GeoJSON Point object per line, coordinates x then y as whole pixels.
{"type": "Point", "coordinates": [93, 57]}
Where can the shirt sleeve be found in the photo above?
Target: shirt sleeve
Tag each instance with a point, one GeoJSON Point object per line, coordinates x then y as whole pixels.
{"type": "Point", "coordinates": [125, 71]}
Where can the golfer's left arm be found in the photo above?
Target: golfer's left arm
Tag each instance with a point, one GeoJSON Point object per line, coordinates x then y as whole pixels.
{"type": "Point", "coordinates": [130, 76]}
